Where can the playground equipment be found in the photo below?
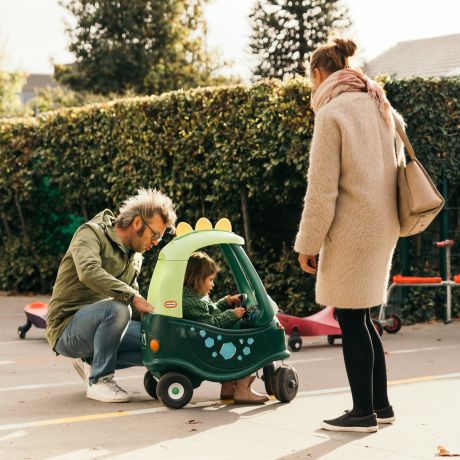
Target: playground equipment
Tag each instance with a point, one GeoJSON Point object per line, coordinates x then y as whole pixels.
{"type": "Point", "coordinates": [36, 314]}
{"type": "Point", "coordinates": [179, 354]}
{"type": "Point", "coordinates": [394, 324]}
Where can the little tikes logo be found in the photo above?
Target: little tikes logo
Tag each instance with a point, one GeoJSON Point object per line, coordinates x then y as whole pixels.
{"type": "Point", "coordinates": [170, 304]}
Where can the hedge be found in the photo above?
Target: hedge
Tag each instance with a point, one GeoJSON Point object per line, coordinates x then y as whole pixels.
{"type": "Point", "coordinates": [239, 152]}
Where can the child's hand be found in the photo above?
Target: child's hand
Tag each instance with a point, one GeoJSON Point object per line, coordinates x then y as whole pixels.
{"type": "Point", "coordinates": [234, 300]}
{"type": "Point", "coordinates": [239, 312]}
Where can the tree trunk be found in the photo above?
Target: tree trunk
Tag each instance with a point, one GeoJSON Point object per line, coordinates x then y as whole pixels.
{"type": "Point", "coordinates": [246, 221]}
{"type": "Point", "coordinates": [7, 226]}
{"type": "Point", "coordinates": [29, 243]}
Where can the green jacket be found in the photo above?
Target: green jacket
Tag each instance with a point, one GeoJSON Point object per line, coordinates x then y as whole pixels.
{"type": "Point", "coordinates": [204, 310]}
{"type": "Point", "coordinates": [96, 266]}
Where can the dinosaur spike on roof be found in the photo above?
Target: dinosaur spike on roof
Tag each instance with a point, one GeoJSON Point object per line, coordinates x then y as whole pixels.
{"type": "Point", "coordinates": [203, 224]}
{"type": "Point", "coordinates": [224, 224]}
{"type": "Point", "coordinates": [183, 228]}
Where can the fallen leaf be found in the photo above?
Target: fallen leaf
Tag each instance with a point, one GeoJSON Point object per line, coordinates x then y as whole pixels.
{"type": "Point", "coordinates": [443, 452]}
{"type": "Point", "coordinates": [193, 421]}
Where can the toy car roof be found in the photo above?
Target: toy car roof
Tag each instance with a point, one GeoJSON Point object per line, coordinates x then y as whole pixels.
{"type": "Point", "coordinates": [166, 285]}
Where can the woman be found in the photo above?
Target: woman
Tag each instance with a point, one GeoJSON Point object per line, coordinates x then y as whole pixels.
{"type": "Point", "coordinates": [350, 218]}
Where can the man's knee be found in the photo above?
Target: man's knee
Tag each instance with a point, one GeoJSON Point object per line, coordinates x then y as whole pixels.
{"type": "Point", "coordinates": [120, 311]}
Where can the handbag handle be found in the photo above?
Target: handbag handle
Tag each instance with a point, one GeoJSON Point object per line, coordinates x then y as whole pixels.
{"type": "Point", "coordinates": [404, 138]}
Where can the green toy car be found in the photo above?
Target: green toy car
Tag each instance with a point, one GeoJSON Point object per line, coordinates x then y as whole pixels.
{"type": "Point", "coordinates": [179, 354]}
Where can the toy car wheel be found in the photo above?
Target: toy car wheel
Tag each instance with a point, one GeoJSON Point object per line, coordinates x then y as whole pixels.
{"type": "Point", "coordinates": [286, 383]}
{"type": "Point", "coordinates": [330, 339]}
{"type": "Point", "coordinates": [295, 343]}
{"type": "Point", "coordinates": [175, 390]}
{"type": "Point", "coordinates": [269, 378]}
{"type": "Point", "coordinates": [378, 327]}
{"type": "Point", "coordinates": [395, 323]}
{"type": "Point", "coordinates": [150, 385]}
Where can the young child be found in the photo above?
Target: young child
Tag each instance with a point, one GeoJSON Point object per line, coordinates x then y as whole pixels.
{"type": "Point", "coordinates": [225, 313]}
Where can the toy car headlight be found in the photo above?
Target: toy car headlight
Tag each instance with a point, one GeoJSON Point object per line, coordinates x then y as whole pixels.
{"type": "Point", "coordinates": [154, 345]}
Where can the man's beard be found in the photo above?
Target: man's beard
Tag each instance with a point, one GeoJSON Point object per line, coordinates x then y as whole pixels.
{"type": "Point", "coordinates": [135, 243]}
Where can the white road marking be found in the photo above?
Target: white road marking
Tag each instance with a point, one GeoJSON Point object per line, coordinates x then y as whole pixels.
{"type": "Point", "coordinates": [6, 362]}
{"type": "Point", "coordinates": [16, 434]}
{"type": "Point", "coordinates": [60, 384]}
{"type": "Point", "coordinates": [19, 341]}
{"type": "Point", "coordinates": [418, 350]}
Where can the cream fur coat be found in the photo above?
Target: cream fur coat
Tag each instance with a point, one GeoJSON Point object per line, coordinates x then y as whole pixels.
{"type": "Point", "coordinates": [350, 215]}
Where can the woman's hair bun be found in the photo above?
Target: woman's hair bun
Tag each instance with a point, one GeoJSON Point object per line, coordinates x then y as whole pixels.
{"type": "Point", "coordinates": [345, 46]}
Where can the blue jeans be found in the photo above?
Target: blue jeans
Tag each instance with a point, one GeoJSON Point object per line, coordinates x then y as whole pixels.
{"type": "Point", "coordinates": [104, 335]}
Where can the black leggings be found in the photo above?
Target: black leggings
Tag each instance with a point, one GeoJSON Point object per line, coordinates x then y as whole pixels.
{"type": "Point", "coordinates": [364, 360]}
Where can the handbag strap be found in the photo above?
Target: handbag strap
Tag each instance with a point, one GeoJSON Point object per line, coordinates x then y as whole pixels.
{"type": "Point", "coordinates": [404, 138]}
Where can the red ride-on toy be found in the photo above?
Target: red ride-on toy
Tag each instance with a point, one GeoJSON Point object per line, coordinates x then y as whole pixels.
{"type": "Point", "coordinates": [36, 314]}
{"type": "Point", "coordinates": [322, 323]}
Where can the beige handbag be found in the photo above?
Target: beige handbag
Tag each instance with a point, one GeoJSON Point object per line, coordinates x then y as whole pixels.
{"type": "Point", "coordinates": [419, 201]}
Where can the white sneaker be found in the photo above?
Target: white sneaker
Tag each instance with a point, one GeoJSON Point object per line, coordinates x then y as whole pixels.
{"type": "Point", "coordinates": [84, 369]}
{"type": "Point", "coordinates": [107, 390]}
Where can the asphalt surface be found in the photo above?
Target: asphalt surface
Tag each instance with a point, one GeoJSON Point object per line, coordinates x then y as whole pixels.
{"type": "Point", "coordinates": [44, 412]}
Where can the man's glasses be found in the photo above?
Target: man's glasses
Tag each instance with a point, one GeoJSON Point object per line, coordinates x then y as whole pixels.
{"type": "Point", "coordinates": [155, 235]}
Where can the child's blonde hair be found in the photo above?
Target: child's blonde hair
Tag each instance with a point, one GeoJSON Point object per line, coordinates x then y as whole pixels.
{"type": "Point", "coordinates": [199, 267]}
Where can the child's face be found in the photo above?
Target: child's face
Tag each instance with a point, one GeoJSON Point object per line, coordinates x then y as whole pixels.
{"type": "Point", "coordinates": [208, 284]}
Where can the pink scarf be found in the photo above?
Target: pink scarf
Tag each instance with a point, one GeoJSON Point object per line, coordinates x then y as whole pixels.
{"type": "Point", "coordinates": [349, 80]}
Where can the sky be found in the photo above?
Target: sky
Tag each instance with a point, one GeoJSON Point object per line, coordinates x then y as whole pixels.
{"type": "Point", "coordinates": [32, 32]}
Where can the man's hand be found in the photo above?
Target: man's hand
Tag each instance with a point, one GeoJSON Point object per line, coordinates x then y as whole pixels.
{"type": "Point", "coordinates": [234, 300]}
{"type": "Point", "coordinates": [308, 263]}
{"type": "Point", "coordinates": [142, 305]}
{"type": "Point", "coordinates": [239, 312]}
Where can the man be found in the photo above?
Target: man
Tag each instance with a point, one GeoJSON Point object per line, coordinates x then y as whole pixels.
{"type": "Point", "coordinates": [90, 312]}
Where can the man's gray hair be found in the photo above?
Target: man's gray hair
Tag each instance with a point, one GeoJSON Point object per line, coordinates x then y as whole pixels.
{"type": "Point", "coordinates": [147, 203]}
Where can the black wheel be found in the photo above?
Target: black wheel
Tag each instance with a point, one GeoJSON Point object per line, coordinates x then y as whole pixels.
{"type": "Point", "coordinates": [150, 385]}
{"type": "Point", "coordinates": [330, 339]}
{"type": "Point", "coordinates": [295, 342]}
{"type": "Point", "coordinates": [21, 332]}
{"type": "Point", "coordinates": [395, 323]}
{"type": "Point", "coordinates": [378, 327]}
{"type": "Point", "coordinates": [175, 390]}
{"type": "Point", "coordinates": [269, 378]}
{"type": "Point", "coordinates": [286, 383]}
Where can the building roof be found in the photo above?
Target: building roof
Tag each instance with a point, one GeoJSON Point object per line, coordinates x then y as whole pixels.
{"type": "Point", "coordinates": [37, 81]}
{"type": "Point", "coordinates": [428, 57]}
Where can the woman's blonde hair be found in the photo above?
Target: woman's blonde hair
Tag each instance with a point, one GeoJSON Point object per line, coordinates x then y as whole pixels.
{"type": "Point", "coordinates": [333, 56]}
{"type": "Point", "coordinates": [199, 267]}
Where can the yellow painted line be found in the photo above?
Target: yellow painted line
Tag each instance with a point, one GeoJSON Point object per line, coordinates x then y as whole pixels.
{"type": "Point", "coordinates": [416, 380]}
{"type": "Point", "coordinates": [204, 404]}
{"type": "Point", "coordinates": [58, 421]}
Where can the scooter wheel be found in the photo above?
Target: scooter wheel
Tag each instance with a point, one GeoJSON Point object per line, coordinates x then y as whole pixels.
{"type": "Point", "coordinates": [330, 339]}
{"type": "Point", "coordinates": [378, 327]}
{"type": "Point", "coordinates": [21, 333]}
{"type": "Point", "coordinates": [295, 343]}
{"type": "Point", "coordinates": [150, 385]}
{"type": "Point", "coordinates": [395, 323]}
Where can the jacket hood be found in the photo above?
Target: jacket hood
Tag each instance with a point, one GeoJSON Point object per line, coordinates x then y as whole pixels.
{"type": "Point", "coordinates": [106, 221]}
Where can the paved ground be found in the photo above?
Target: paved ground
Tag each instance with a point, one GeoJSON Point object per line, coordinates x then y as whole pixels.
{"type": "Point", "coordinates": [44, 414]}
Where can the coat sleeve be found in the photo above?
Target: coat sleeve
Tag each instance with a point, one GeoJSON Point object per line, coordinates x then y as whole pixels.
{"type": "Point", "coordinates": [85, 250]}
{"type": "Point", "coordinates": [323, 184]}
{"type": "Point", "coordinates": [206, 312]}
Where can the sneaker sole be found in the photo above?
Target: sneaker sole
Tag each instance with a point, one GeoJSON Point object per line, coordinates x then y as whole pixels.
{"type": "Point", "coordinates": [356, 429]}
{"type": "Point", "coordinates": [107, 400]}
{"type": "Point", "coordinates": [386, 420]}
